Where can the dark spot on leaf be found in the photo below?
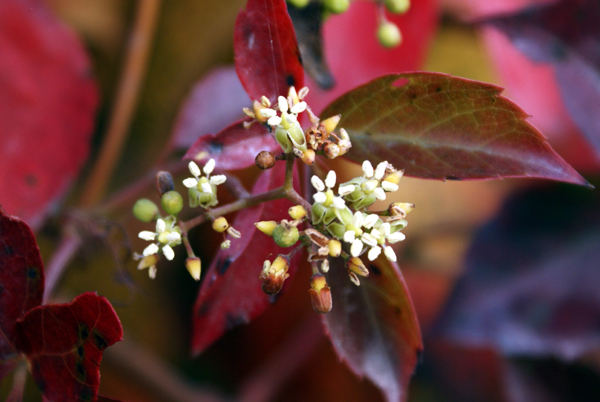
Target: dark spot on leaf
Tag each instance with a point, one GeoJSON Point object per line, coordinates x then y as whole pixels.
{"type": "Point", "coordinates": [80, 370]}
{"type": "Point", "coordinates": [290, 80]}
{"type": "Point", "coordinates": [31, 180]}
{"type": "Point", "coordinates": [232, 321]}
{"type": "Point", "coordinates": [32, 272]}
{"type": "Point", "coordinates": [83, 332]}
{"type": "Point", "coordinates": [99, 341]}
{"type": "Point", "coordinates": [438, 89]}
{"type": "Point", "coordinates": [8, 250]}
{"type": "Point", "coordinates": [204, 309]}
{"type": "Point", "coordinates": [215, 147]}
{"type": "Point", "coordinates": [223, 265]}
{"type": "Point", "coordinates": [398, 311]}
{"type": "Point", "coordinates": [374, 270]}
{"type": "Point", "coordinates": [80, 351]}
{"type": "Point", "coordinates": [453, 178]}
{"type": "Point", "coordinates": [86, 394]}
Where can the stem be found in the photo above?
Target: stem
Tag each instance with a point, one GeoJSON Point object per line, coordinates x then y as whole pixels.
{"type": "Point", "coordinates": [126, 100]}
{"type": "Point", "coordinates": [288, 185]}
{"type": "Point", "coordinates": [188, 246]}
{"type": "Point", "coordinates": [55, 269]}
{"type": "Point", "coordinates": [19, 379]}
{"type": "Point", "coordinates": [234, 206]}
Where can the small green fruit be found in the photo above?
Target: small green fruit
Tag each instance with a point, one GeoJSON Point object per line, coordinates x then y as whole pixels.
{"type": "Point", "coordinates": [145, 210]}
{"type": "Point", "coordinates": [389, 35]}
{"type": "Point", "coordinates": [172, 202]}
{"type": "Point", "coordinates": [397, 6]}
{"type": "Point", "coordinates": [299, 3]}
{"type": "Point", "coordinates": [336, 6]}
{"type": "Point", "coordinates": [285, 235]}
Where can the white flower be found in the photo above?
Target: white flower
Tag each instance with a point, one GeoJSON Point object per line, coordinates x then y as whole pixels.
{"type": "Point", "coordinates": [324, 193]}
{"type": "Point", "coordinates": [203, 185]}
{"type": "Point", "coordinates": [164, 236]}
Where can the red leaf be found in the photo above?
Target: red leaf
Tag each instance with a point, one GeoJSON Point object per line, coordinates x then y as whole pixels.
{"type": "Point", "coordinates": [21, 280]}
{"type": "Point", "coordinates": [235, 147]}
{"type": "Point", "coordinates": [231, 293]}
{"type": "Point", "coordinates": [214, 103]}
{"type": "Point", "coordinates": [267, 58]}
{"type": "Point", "coordinates": [64, 344]}
{"type": "Point", "coordinates": [373, 327]}
{"type": "Point", "coordinates": [47, 105]}
{"type": "Point", "coordinates": [440, 127]}
{"type": "Point", "coordinates": [355, 56]}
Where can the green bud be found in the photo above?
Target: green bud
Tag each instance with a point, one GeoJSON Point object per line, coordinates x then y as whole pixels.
{"type": "Point", "coordinates": [145, 210]}
{"type": "Point", "coordinates": [336, 6]}
{"type": "Point", "coordinates": [397, 6]}
{"type": "Point", "coordinates": [389, 35]}
{"type": "Point", "coordinates": [299, 3]}
{"type": "Point", "coordinates": [171, 202]}
{"type": "Point", "coordinates": [285, 235]}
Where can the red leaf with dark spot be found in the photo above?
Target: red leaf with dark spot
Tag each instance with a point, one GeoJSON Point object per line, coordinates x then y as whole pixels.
{"type": "Point", "coordinates": [235, 147]}
{"type": "Point", "coordinates": [440, 127]}
{"type": "Point", "coordinates": [47, 105]}
{"type": "Point", "coordinates": [21, 281]}
{"type": "Point", "coordinates": [373, 327]}
{"type": "Point", "coordinates": [231, 293]}
{"type": "Point", "coordinates": [64, 344]}
{"type": "Point", "coordinates": [267, 58]}
{"type": "Point", "coordinates": [214, 103]}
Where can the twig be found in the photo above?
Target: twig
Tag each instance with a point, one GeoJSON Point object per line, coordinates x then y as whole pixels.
{"type": "Point", "coordinates": [138, 361]}
{"type": "Point", "coordinates": [55, 269]}
{"type": "Point", "coordinates": [128, 92]}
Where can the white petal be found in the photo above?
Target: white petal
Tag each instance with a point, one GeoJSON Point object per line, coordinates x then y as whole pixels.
{"type": "Point", "coordinates": [368, 239]}
{"type": "Point", "coordinates": [152, 272]}
{"type": "Point", "coordinates": [194, 169]}
{"type": "Point", "coordinates": [150, 250]}
{"type": "Point", "coordinates": [291, 118]}
{"type": "Point", "coordinates": [349, 236]}
{"type": "Point", "coordinates": [218, 179]}
{"type": "Point", "coordinates": [207, 188]}
{"type": "Point", "coordinates": [160, 226]}
{"type": "Point", "coordinates": [168, 253]}
{"type": "Point", "coordinates": [345, 190]}
{"type": "Point", "coordinates": [283, 105]}
{"type": "Point", "coordinates": [389, 253]}
{"type": "Point", "coordinates": [374, 253]}
{"type": "Point", "coordinates": [369, 186]}
{"type": "Point", "coordinates": [299, 107]}
{"type": "Point", "coordinates": [357, 219]}
{"type": "Point", "coordinates": [330, 179]}
{"type": "Point", "coordinates": [209, 167]}
{"type": "Point", "coordinates": [370, 221]}
{"type": "Point", "coordinates": [376, 234]}
{"type": "Point", "coordinates": [356, 248]}
{"type": "Point", "coordinates": [320, 197]}
{"type": "Point", "coordinates": [317, 183]}
{"type": "Point", "coordinates": [396, 237]}
{"type": "Point", "coordinates": [380, 170]}
{"type": "Point", "coordinates": [190, 182]}
{"type": "Point", "coordinates": [344, 135]}
{"type": "Point", "coordinates": [368, 169]}
{"type": "Point", "coordinates": [147, 235]}
{"type": "Point", "coordinates": [268, 112]}
{"type": "Point", "coordinates": [390, 187]}
{"type": "Point", "coordinates": [338, 203]}
{"type": "Point", "coordinates": [379, 193]}
{"type": "Point", "coordinates": [274, 121]}
{"type": "Point", "coordinates": [385, 229]}
{"type": "Point", "coordinates": [173, 236]}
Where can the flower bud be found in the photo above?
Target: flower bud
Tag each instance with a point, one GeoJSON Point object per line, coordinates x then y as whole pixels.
{"type": "Point", "coordinates": [220, 224]}
{"type": "Point", "coordinates": [265, 160]}
{"type": "Point", "coordinates": [285, 235]}
{"type": "Point", "coordinates": [330, 124]}
{"type": "Point", "coordinates": [356, 265]}
{"type": "Point", "coordinates": [394, 177]}
{"type": "Point", "coordinates": [145, 210]}
{"type": "Point", "coordinates": [397, 6]}
{"type": "Point", "coordinates": [336, 6]}
{"type": "Point", "coordinates": [257, 106]}
{"type": "Point", "coordinates": [389, 35]}
{"type": "Point", "coordinates": [148, 261]}
{"type": "Point", "coordinates": [320, 294]}
{"type": "Point", "coordinates": [267, 227]}
{"type": "Point", "coordinates": [297, 212]}
{"type": "Point", "coordinates": [164, 182]}
{"type": "Point", "coordinates": [400, 209]}
{"type": "Point", "coordinates": [307, 156]}
{"type": "Point", "coordinates": [335, 248]}
{"type": "Point", "coordinates": [274, 274]}
{"type": "Point", "coordinates": [194, 267]}
{"type": "Point", "coordinates": [171, 202]}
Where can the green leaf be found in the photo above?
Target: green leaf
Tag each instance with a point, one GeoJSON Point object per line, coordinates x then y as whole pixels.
{"type": "Point", "coordinates": [435, 126]}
